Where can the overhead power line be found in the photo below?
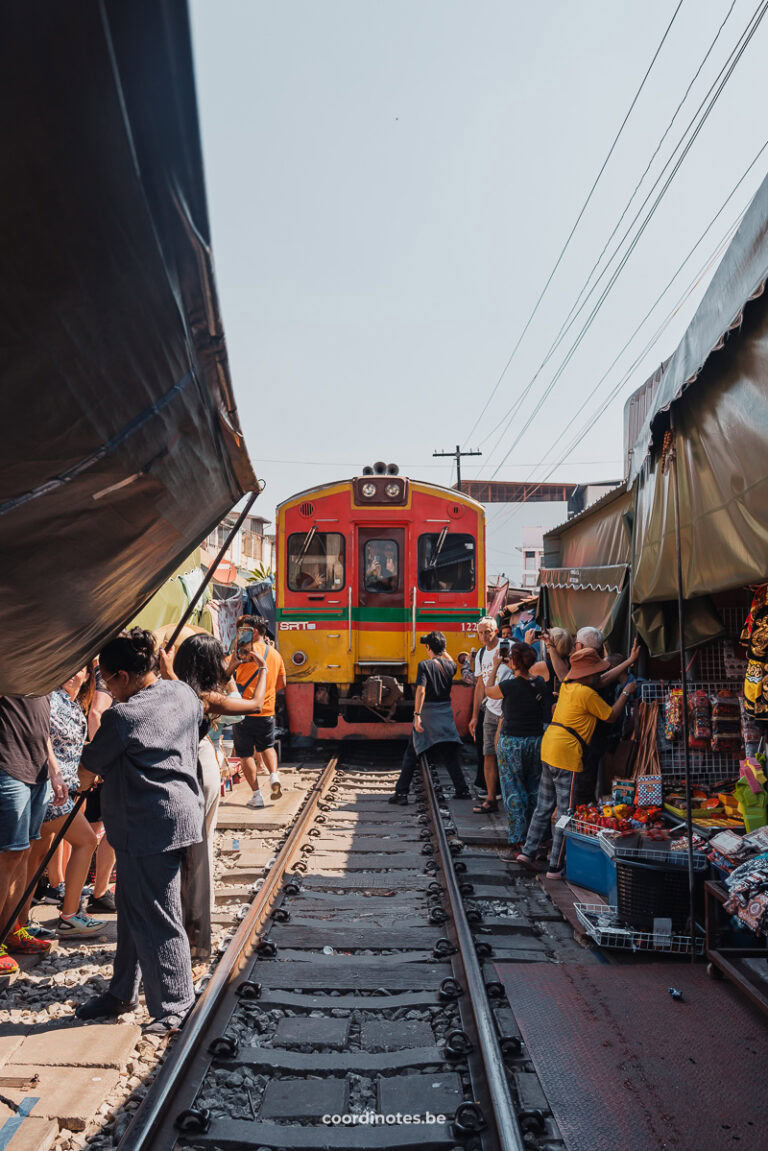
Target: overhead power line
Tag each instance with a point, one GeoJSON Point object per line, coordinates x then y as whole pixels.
{"type": "Point", "coordinates": [581, 300]}
{"type": "Point", "coordinates": [615, 391]}
{"type": "Point", "coordinates": [726, 73]}
{"type": "Point", "coordinates": [584, 207]}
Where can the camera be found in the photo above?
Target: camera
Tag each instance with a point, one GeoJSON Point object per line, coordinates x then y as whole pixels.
{"type": "Point", "coordinates": [424, 639]}
{"type": "Point", "coordinates": [505, 648]}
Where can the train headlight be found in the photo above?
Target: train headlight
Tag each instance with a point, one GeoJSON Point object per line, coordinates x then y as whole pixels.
{"type": "Point", "coordinates": [393, 491]}
{"type": "Point", "coordinates": [299, 658]}
{"type": "Point", "coordinates": [368, 490]}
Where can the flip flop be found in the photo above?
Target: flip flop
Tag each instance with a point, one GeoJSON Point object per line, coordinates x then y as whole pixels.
{"type": "Point", "coordinates": [486, 807]}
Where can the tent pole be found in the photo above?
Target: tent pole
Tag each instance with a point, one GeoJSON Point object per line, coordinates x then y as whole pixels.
{"type": "Point", "coordinates": [209, 574]}
{"type": "Point", "coordinates": [684, 684]}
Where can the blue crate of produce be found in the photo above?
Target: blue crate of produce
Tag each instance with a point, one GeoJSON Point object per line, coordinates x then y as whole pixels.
{"type": "Point", "coordinates": [587, 865]}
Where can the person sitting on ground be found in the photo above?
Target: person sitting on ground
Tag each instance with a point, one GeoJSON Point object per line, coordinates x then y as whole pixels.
{"type": "Point", "coordinates": [200, 662]}
{"type": "Point", "coordinates": [69, 726]}
{"type": "Point", "coordinates": [578, 709]}
{"type": "Point", "coordinates": [487, 633]}
{"type": "Point", "coordinates": [526, 710]}
{"type": "Point", "coordinates": [146, 752]}
{"type": "Point", "coordinates": [27, 761]}
{"type": "Point", "coordinates": [434, 727]}
{"type": "Point", "coordinates": [255, 736]}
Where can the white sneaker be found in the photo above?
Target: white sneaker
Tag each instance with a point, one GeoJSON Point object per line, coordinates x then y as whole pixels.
{"type": "Point", "coordinates": [277, 790]}
{"type": "Point", "coordinates": [256, 800]}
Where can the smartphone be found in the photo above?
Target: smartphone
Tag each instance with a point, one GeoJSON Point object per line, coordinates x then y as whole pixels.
{"type": "Point", "coordinates": [244, 638]}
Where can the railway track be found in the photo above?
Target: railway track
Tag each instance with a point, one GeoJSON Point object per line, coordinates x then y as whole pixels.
{"type": "Point", "coordinates": [355, 1006]}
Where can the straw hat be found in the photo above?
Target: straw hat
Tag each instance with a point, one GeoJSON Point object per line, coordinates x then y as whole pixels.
{"type": "Point", "coordinates": [586, 662]}
{"type": "Point", "coordinates": [164, 633]}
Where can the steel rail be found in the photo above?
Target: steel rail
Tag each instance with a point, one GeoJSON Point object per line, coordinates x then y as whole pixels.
{"type": "Point", "coordinates": [155, 1115]}
{"type": "Point", "coordinates": [510, 1137]}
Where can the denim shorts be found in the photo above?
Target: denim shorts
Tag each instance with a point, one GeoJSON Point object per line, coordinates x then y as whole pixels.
{"type": "Point", "coordinates": [22, 806]}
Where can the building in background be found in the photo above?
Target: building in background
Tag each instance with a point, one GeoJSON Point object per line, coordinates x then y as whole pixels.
{"type": "Point", "coordinates": [251, 548]}
{"type": "Point", "coordinates": [517, 517]}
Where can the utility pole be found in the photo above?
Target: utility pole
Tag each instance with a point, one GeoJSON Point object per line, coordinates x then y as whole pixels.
{"type": "Point", "coordinates": [457, 457]}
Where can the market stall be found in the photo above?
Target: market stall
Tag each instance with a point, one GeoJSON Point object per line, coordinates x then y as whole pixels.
{"type": "Point", "coordinates": [683, 822]}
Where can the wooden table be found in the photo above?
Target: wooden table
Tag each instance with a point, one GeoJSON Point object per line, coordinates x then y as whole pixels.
{"type": "Point", "coordinates": [730, 961]}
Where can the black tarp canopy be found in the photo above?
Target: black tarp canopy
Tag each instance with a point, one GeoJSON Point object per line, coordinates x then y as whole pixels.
{"type": "Point", "coordinates": [717, 385]}
{"type": "Point", "coordinates": [120, 445]}
{"type": "Point", "coordinates": [586, 562]}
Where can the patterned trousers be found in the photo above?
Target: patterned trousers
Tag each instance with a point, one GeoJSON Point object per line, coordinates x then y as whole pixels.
{"type": "Point", "coordinates": [556, 790]}
{"type": "Point", "coordinates": [519, 759]}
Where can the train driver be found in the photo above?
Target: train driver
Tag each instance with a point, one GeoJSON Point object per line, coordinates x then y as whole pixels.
{"type": "Point", "coordinates": [381, 567]}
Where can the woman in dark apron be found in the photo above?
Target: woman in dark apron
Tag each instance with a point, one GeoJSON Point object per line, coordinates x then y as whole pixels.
{"type": "Point", "coordinates": [434, 728]}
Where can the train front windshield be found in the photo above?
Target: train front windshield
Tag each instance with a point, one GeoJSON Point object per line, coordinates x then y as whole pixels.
{"type": "Point", "coordinates": [446, 562]}
{"type": "Point", "coordinates": [315, 561]}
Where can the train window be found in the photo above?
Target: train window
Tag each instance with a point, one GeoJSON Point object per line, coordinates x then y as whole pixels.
{"type": "Point", "coordinates": [315, 561]}
{"type": "Point", "coordinates": [446, 561]}
{"type": "Point", "coordinates": [382, 566]}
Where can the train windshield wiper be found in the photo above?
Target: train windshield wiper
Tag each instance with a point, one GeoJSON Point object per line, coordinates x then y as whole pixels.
{"type": "Point", "coordinates": [306, 542]}
{"type": "Point", "coordinates": [438, 548]}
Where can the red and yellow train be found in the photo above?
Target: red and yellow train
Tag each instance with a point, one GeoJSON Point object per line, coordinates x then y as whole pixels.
{"type": "Point", "coordinates": [366, 566]}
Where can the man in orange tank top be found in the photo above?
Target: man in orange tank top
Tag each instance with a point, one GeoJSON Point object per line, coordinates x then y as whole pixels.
{"type": "Point", "coordinates": [254, 736]}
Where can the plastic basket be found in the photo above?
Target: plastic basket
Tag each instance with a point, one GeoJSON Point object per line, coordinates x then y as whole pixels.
{"type": "Point", "coordinates": [593, 830]}
{"type": "Point", "coordinates": [616, 849]}
{"type": "Point", "coordinates": [648, 891]}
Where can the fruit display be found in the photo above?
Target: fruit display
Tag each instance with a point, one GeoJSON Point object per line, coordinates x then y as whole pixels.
{"type": "Point", "coordinates": [592, 818]}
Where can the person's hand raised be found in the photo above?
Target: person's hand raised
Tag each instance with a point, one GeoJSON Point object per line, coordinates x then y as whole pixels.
{"type": "Point", "coordinates": [165, 659]}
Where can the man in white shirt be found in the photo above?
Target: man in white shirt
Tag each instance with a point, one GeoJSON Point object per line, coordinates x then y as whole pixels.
{"type": "Point", "coordinates": [487, 633]}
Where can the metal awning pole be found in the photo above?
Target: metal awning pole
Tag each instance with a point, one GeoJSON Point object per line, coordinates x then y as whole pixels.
{"type": "Point", "coordinates": [33, 882]}
{"type": "Point", "coordinates": [209, 574]}
{"type": "Point", "coordinates": [684, 683]}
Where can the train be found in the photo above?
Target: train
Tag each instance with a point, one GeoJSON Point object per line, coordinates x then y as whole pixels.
{"type": "Point", "coordinates": [365, 567]}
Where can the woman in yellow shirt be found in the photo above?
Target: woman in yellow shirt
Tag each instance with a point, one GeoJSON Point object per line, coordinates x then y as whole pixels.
{"type": "Point", "coordinates": [578, 709]}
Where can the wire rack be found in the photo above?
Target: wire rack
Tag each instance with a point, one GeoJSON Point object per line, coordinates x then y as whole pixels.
{"type": "Point", "coordinates": [616, 850]}
{"type": "Point", "coordinates": [603, 925]}
{"type": "Point", "coordinates": [706, 766]}
{"type": "Point", "coordinates": [723, 661]}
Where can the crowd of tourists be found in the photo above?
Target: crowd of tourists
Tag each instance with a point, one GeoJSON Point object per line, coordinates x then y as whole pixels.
{"type": "Point", "coordinates": [540, 713]}
{"type": "Point", "coordinates": [119, 770]}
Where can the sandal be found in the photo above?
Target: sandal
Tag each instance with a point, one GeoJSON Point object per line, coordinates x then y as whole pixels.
{"type": "Point", "coordinates": [486, 806]}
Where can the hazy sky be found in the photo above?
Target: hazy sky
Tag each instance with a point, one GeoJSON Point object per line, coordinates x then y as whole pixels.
{"type": "Point", "coordinates": [390, 184]}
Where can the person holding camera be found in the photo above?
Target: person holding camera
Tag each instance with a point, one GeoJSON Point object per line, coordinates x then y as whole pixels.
{"type": "Point", "coordinates": [526, 702]}
{"type": "Point", "coordinates": [433, 724]}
